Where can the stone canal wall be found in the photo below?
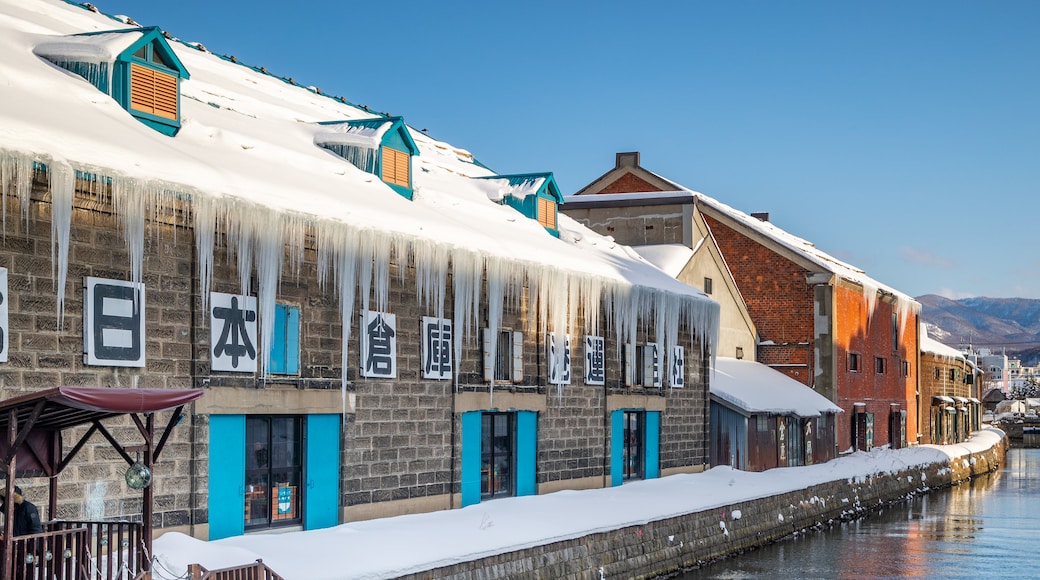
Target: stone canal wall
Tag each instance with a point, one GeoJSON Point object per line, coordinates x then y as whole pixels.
{"type": "Point", "coordinates": [664, 547]}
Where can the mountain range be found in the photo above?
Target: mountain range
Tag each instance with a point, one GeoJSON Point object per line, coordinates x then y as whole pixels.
{"type": "Point", "coordinates": [996, 323]}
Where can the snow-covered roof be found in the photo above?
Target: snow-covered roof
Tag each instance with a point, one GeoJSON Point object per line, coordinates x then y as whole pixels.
{"type": "Point", "coordinates": [930, 345]}
{"type": "Point", "coordinates": [246, 152]}
{"type": "Point", "coordinates": [798, 246]}
{"type": "Point", "coordinates": [671, 258]}
{"type": "Point", "coordinates": [347, 133]}
{"type": "Point", "coordinates": [97, 48]}
{"type": "Point", "coordinates": [806, 249]}
{"type": "Point", "coordinates": [755, 388]}
{"type": "Point", "coordinates": [520, 186]}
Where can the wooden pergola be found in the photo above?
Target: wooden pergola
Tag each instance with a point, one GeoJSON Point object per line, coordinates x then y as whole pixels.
{"type": "Point", "coordinates": [31, 446]}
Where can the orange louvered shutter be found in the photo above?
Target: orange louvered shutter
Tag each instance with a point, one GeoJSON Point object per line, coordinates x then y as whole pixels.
{"type": "Point", "coordinates": [395, 167]}
{"type": "Point", "coordinates": [153, 92]}
{"type": "Point", "coordinates": [547, 213]}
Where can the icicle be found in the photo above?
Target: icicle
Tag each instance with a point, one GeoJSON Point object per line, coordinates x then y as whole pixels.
{"type": "Point", "coordinates": [16, 172]}
{"type": "Point", "coordinates": [296, 238]}
{"type": "Point", "coordinates": [870, 293]}
{"type": "Point", "coordinates": [63, 189]}
{"type": "Point", "coordinates": [431, 275]}
{"type": "Point", "coordinates": [241, 224]}
{"type": "Point", "coordinates": [364, 158]}
{"type": "Point", "coordinates": [467, 268]}
{"type": "Point", "coordinates": [204, 215]}
{"type": "Point", "coordinates": [338, 248]}
{"type": "Point", "coordinates": [376, 250]}
{"type": "Point", "coordinates": [269, 242]}
{"type": "Point", "coordinates": [130, 202]}
{"type": "Point", "coordinates": [95, 73]}
{"type": "Point", "coordinates": [497, 281]}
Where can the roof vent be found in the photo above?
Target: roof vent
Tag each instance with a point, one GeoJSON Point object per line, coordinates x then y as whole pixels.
{"type": "Point", "coordinates": [761, 216]}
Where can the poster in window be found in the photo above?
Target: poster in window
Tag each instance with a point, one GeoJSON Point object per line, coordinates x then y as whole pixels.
{"type": "Point", "coordinates": [595, 363]}
{"type": "Point", "coordinates": [285, 497]}
{"type": "Point", "coordinates": [436, 348]}
{"type": "Point", "coordinates": [3, 315]}
{"type": "Point", "coordinates": [378, 345]}
{"type": "Point", "coordinates": [113, 323]}
{"type": "Point", "coordinates": [677, 376]}
{"type": "Point", "coordinates": [559, 362]}
{"type": "Point", "coordinates": [232, 332]}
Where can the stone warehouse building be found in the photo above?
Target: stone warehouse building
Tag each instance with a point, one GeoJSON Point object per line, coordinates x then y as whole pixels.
{"type": "Point", "coordinates": [380, 324]}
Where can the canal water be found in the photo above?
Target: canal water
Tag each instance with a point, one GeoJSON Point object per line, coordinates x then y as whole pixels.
{"type": "Point", "coordinates": [987, 528]}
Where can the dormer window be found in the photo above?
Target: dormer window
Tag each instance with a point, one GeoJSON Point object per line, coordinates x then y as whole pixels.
{"type": "Point", "coordinates": [381, 146]}
{"type": "Point", "coordinates": [533, 194]}
{"type": "Point", "coordinates": [136, 67]}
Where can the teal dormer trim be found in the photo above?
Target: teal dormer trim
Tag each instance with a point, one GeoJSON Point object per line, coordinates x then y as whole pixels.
{"type": "Point", "coordinates": [139, 70]}
{"type": "Point", "coordinates": [541, 206]}
{"type": "Point", "coordinates": [390, 157]}
{"type": "Point", "coordinates": [153, 54]}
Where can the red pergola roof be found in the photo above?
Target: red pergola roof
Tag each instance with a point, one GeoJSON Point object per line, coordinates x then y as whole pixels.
{"type": "Point", "coordinates": [66, 407]}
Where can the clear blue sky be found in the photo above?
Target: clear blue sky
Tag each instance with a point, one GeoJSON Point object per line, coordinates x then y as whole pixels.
{"type": "Point", "coordinates": [900, 136]}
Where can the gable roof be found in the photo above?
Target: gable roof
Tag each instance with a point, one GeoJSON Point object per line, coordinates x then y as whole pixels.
{"type": "Point", "coordinates": [803, 251]}
{"type": "Point", "coordinates": [798, 250]}
{"type": "Point", "coordinates": [628, 170]}
{"type": "Point", "coordinates": [365, 132]}
{"type": "Point", "coordinates": [109, 46]}
{"type": "Point", "coordinates": [521, 185]}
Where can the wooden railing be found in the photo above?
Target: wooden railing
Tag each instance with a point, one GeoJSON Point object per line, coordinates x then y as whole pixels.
{"type": "Point", "coordinates": [60, 554]}
{"type": "Point", "coordinates": [115, 550]}
{"type": "Point", "coordinates": [255, 571]}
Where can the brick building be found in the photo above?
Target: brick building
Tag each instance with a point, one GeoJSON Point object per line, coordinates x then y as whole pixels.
{"type": "Point", "coordinates": [820, 321]}
{"type": "Point", "coordinates": [950, 388]}
{"type": "Point", "coordinates": [381, 325]}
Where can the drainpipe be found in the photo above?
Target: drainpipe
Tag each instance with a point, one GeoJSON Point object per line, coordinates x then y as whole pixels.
{"type": "Point", "coordinates": [454, 443]}
{"type": "Point", "coordinates": [606, 435]}
{"type": "Point", "coordinates": [193, 376]}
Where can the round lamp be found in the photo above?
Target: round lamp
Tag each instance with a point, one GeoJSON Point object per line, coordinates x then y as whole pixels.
{"type": "Point", "coordinates": [138, 476]}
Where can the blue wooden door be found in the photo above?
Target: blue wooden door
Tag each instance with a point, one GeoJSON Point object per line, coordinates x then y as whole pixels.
{"type": "Point", "coordinates": [617, 447]}
{"type": "Point", "coordinates": [471, 458]}
{"type": "Point", "coordinates": [321, 501]}
{"type": "Point", "coordinates": [227, 473]}
{"type": "Point", "coordinates": [526, 452]}
{"type": "Point", "coordinates": [653, 446]}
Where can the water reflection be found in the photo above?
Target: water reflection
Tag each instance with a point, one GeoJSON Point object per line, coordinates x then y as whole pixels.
{"type": "Point", "coordinates": [981, 529]}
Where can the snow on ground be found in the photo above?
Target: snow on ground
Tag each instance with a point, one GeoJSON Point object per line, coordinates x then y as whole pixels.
{"type": "Point", "coordinates": [390, 547]}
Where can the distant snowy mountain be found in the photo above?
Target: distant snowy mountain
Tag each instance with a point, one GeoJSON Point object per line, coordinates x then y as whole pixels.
{"type": "Point", "coordinates": [1011, 323]}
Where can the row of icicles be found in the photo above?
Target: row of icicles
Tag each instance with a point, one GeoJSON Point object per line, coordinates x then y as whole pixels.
{"type": "Point", "coordinates": [358, 261]}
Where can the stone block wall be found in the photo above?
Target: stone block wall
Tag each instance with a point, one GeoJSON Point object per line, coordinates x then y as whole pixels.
{"type": "Point", "coordinates": [46, 350]}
